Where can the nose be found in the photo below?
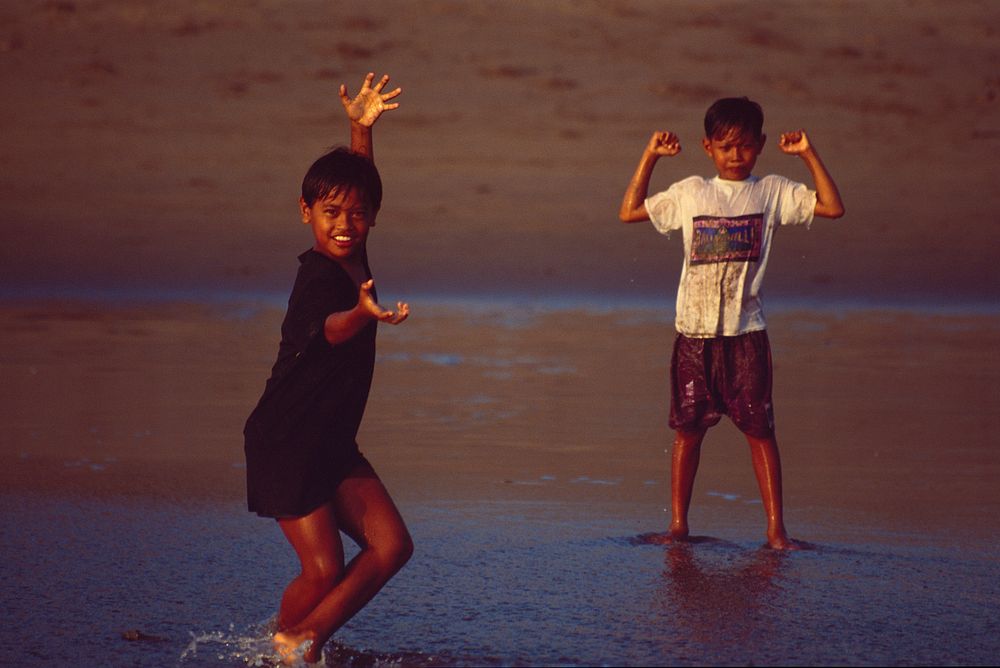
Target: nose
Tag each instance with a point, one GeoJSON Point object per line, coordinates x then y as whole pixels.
{"type": "Point", "coordinates": [343, 221]}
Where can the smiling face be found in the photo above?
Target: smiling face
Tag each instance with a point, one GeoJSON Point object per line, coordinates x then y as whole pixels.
{"type": "Point", "coordinates": [734, 153]}
{"type": "Point", "coordinates": [340, 223]}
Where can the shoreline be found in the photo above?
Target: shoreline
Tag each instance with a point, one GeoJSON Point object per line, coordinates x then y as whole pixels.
{"type": "Point", "coordinates": [17, 296]}
{"type": "Point", "coordinates": [559, 406]}
{"type": "Point", "coordinates": [154, 156]}
{"type": "Point", "coordinates": [230, 300]}
{"type": "Point", "coordinates": [638, 508]}
{"type": "Point", "coordinates": [528, 458]}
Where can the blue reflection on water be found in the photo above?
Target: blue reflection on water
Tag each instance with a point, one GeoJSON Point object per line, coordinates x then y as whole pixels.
{"type": "Point", "coordinates": [492, 583]}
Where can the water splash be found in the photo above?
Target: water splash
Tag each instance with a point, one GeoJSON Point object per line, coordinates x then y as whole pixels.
{"type": "Point", "coordinates": [254, 647]}
{"type": "Point", "coordinates": [250, 647]}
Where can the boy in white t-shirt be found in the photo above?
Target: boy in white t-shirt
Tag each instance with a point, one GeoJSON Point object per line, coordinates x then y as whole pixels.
{"type": "Point", "coordinates": [722, 359]}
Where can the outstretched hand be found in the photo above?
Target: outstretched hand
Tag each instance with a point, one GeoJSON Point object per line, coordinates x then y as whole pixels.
{"type": "Point", "coordinates": [368, 303]}
{"type": "Point", "coordinates": [370, 102]}
{"type": "Point", "coordinates": [664, 144]}
{"type": "Point", "coordinates": [794, 143]}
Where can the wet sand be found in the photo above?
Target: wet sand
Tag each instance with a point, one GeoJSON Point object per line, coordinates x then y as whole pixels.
{"type": "Point", "coordinates": [169, 142]}
{"type": "Point", "coordinates": [147, 217]}
{"type": "Point", "coordinates": [492, 583]}
{"type": "Point", "coordinates": [527, 453]}
{"type": "Point", "coordinates": [885, 415]}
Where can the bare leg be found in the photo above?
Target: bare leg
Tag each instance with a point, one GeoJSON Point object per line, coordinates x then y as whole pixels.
{"type": "Point", "coordinates": [316, 540]}
{"type": "Point", "coordinates": [366, 513]}
{"type": "Point", "coordinates": [767, 468]}
{"type": "Point", "coordinates": [683, 467]}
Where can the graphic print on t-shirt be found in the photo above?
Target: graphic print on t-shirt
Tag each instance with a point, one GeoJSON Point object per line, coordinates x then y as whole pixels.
{"type": "Point", "coordinates": [736, 239]}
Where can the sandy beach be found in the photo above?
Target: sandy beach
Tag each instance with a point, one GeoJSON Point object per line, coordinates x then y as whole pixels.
{"type": "Point", "coordinates": [874, 407]}
{"type": "Point", "coordinates": [169, 142]}
{"type": "Point", "coordinates": [527, 452]}
{"type": "Point", "coordinates": [153, 156]}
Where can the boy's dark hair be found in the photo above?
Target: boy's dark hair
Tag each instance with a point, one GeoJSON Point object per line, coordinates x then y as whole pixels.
{"type": "Point", "coordinates": [343, 169]}
{"type": "Point", "coordinates": [734, 113]}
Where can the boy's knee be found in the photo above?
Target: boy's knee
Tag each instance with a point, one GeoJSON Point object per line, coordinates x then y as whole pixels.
{"type": "Point", "coordinates": [323, 573]}
{"type": "Point", "coordinates": [684, 438]}
{"type": "Point", "coordinates": [404, 549]}
{"type": "Point", "coordinates": [396, 551]}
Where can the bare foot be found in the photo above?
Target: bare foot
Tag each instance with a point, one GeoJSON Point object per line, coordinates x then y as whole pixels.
{"type": "Point", "coordinates": [292, 646]}
{"type": "Point", "coordinates": [783, 542]}
{"type": "Point", "coordinates": [678, 531]}
{"type": "Point", "coordinates": [314, 654]}
{"type": "Point", "coordinates": [676, 534]}
{"type": "Point", "coordinates": [655, 538]}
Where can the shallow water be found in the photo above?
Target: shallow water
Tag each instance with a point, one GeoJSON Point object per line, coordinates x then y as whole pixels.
{"type": "Point", "coordinates": [492, 583]}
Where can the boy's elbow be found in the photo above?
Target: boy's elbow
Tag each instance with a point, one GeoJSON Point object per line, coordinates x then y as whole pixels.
{"type": "Point", "coordinates": [627, 216]}
{"type": "Point", "coordinates": [831, 211]}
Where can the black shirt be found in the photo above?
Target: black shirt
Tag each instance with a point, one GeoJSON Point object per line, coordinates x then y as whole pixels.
{"type": "Point", "coordinates": [301, 435]}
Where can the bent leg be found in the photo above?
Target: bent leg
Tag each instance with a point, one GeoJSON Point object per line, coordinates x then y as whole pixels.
{"type": "Point", "coordinates": [365, 512]}
{"type": "Point", "coordinates": [316, 540]}
{"type": "Point", "coordinates": [683, 467]}
{"type": "Point", "coordinates": [767, 468]}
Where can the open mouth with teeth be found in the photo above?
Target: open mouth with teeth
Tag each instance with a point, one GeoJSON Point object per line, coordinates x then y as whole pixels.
{"type": "Point", "coordinates": [344, 240]}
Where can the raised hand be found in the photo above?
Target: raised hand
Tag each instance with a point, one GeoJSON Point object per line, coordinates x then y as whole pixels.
{"type": "Point", "coordinates": [794, 143]}
{"type": "Point", "coordinates": [828, 201]}
{"type": "Point", "coordinates": [370, 102]}
{"type": "Point", "coordinates": [369, 304]}
{"type": "Point", "coordinates": [664, 144]}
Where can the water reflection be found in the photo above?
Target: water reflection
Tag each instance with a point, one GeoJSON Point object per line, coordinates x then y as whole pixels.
{"type": "Point", "coordinates": [720, 596]}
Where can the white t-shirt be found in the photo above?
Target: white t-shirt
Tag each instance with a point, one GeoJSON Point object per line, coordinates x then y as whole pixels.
{"type": "Point", "coordinates": [727, 226]}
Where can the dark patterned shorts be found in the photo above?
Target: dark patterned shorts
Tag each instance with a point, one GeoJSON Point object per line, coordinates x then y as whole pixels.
{"type": "Point", "coordinates": [724, 375]}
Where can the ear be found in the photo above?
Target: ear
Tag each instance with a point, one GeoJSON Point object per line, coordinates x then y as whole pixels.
{"type": "Point", "coordinates": [706, 144]}
{"type": "Point", "coordinates": [306, 211]}
{"type": "Point", "coordinates": [763, 143]}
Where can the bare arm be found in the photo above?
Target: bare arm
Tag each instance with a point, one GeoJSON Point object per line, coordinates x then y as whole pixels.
{"type": "Point", "coordinates": [828, 202]}
{"type": "Point", "coordinates": [633, 208]}
{"type": "Point", "coordinates": [364, 109]}
{"type": "Point", "coordinates": [344, 325]}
